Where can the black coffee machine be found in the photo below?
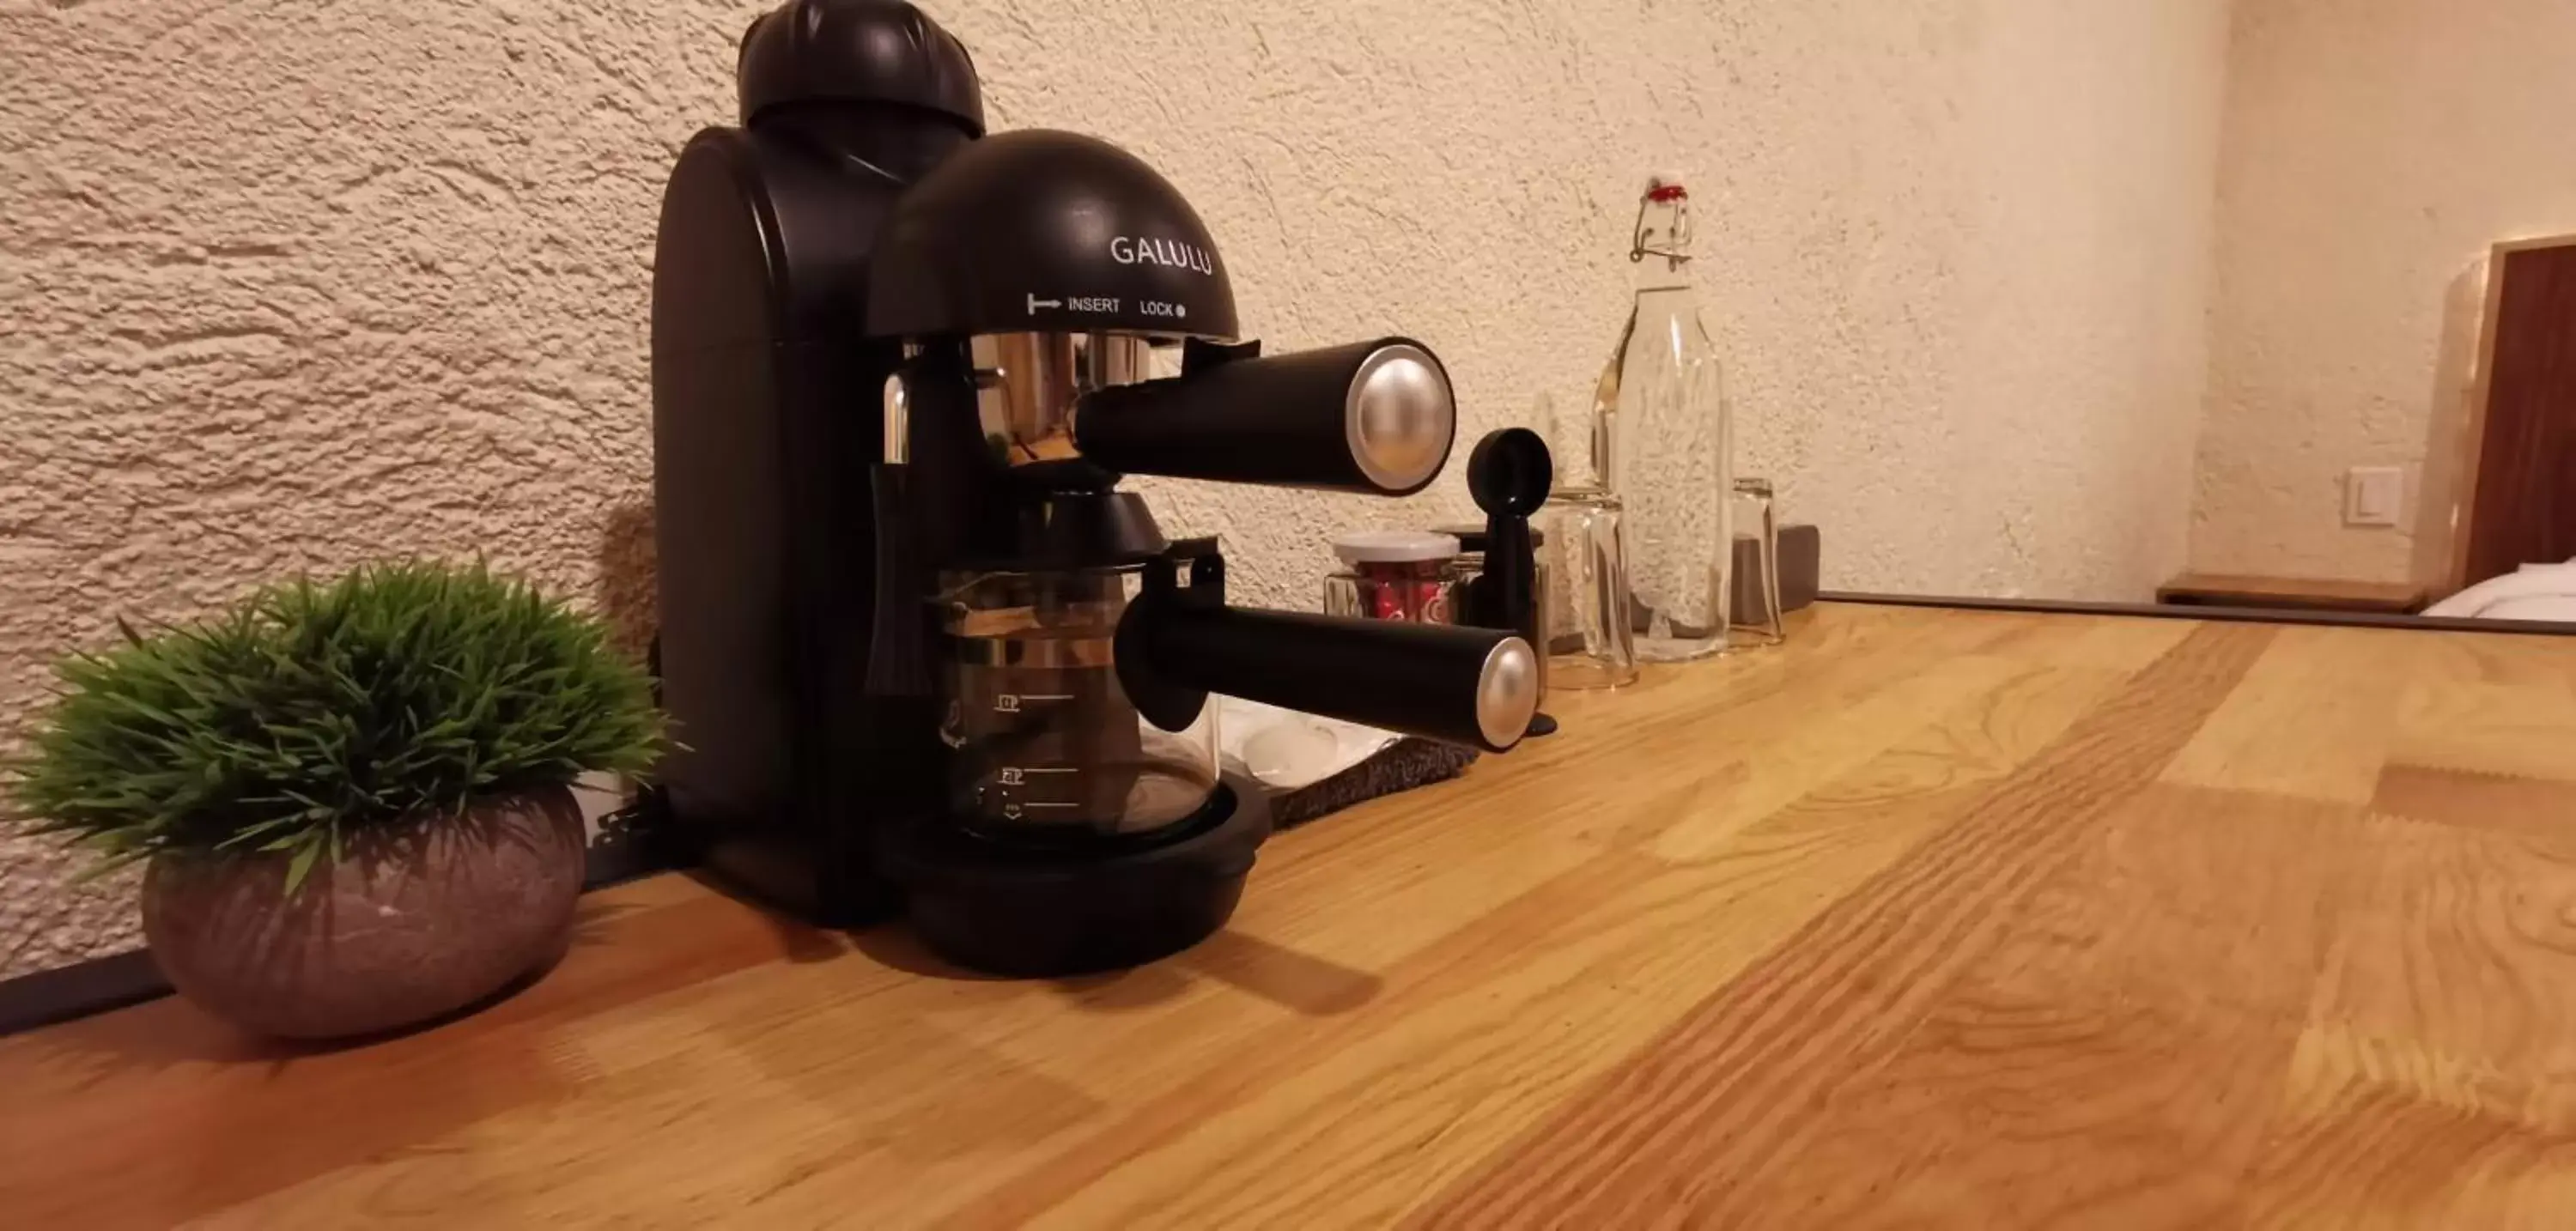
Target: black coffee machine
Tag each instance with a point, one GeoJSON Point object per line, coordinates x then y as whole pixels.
{"type": "Point", "coordinates": [921, 651]}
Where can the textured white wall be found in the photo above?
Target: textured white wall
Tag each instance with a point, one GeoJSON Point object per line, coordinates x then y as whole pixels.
{"type": "Point", "coordinates": [291, 283]}
{"type": "Point", "coordinates": [2374, 150]}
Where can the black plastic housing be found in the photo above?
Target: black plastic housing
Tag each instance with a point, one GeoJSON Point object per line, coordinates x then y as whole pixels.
{"type": "Point", "coordinates": [766, 429]}
{"type": "Point", "coordinates": [1048, 231]}
{"type": "Point", "coordinates": [1037, 914]}
{"type": "Point", "coordinates": [855, 51]}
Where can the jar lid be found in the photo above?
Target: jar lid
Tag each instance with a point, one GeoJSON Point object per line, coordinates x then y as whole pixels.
{"type": "Point", "coordinates": [1472, 540]}
{"type": "Point", "coordinates": [1394, 547]}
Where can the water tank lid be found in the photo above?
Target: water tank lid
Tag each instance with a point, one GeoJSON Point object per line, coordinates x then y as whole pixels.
{"type": "Point", "coordinates": [867, 51]}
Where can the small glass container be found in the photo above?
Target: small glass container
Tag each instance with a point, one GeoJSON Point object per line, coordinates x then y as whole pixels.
{"type": "Point", "coordinates": [1591, 643]}
{"type": "Point", "coordinates": [1757, 533]}
{"type": "Point", "coordinates": [1408, 575]}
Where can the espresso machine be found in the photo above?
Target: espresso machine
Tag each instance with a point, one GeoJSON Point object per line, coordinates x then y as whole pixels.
{"type": "Point", "coordinates": [922, 652]}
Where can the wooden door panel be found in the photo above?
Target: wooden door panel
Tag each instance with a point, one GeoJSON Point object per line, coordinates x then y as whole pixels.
{"type": "Point", "coordinates": [2523, 509]}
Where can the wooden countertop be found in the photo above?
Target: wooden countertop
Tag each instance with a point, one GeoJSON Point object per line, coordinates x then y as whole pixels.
{"type": "Point", "coordinates": [1929, 917]}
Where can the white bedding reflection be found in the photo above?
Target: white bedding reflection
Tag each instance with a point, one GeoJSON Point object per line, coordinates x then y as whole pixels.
{"type": "Point", "coordinates": [2537, 592]}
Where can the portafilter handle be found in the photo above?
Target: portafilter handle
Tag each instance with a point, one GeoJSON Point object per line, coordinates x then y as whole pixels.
{"type": "Point", "coordinates": [1469, 686]}
{"type": "Point", "coordinates": [1374, 417]}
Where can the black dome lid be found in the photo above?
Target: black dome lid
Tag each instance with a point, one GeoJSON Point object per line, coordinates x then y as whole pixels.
{"type": "Point", "coordinates": [863, 51]}
{"type": "Point", "coordinates": [1046, 231]}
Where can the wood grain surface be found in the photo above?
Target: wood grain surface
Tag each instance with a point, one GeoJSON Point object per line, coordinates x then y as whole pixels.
{"type": "Point", "coordinates": [1927, 918]}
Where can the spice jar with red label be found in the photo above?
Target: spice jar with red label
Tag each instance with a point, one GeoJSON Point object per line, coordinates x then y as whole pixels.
{"type": "Point", "coordinates": [1408, 575]}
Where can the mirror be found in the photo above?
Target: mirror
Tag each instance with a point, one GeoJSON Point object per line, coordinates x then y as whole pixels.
{"type": "Point", "coordinates": [2376, 377]}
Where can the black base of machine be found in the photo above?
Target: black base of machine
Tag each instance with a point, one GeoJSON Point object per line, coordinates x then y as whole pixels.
{"type": "Point", "coordinates": [1036, 914]}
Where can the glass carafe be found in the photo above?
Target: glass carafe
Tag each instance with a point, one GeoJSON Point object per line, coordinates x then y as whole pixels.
{"type": "Point", "coordinates": [1045, 746]}
{"type": "Point", "coordinates": [1660, 444]}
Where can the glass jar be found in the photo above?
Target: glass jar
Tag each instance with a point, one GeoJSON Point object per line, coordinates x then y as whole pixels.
{"type": "Point", "coordinates": [1591, 641]}
{"type": "Point", "coordinates": [1407, 575]}
{"type": "Point", "coordinates": [1044, 744]}
{"type": "Point", "coordinates": [1756, 608]}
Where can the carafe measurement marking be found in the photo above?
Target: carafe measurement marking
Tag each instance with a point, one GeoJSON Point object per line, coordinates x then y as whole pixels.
{"type": "Point", "coordinates": [1009, 703]}
{"type": "Point", "coordinates": [1016, 775]}
{"type": "Point", "coordinates": [1011, 812]}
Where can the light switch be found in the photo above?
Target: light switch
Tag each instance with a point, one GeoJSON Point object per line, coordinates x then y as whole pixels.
{"type": "Point", "coordinates": [2373, 495]}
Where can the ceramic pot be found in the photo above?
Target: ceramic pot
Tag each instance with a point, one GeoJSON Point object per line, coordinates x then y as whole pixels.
{"type": "Point", "coordinates": [418, 919]}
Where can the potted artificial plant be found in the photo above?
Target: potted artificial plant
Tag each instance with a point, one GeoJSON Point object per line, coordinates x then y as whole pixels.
{"type": "Point", "coordinates": [353, 798]}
